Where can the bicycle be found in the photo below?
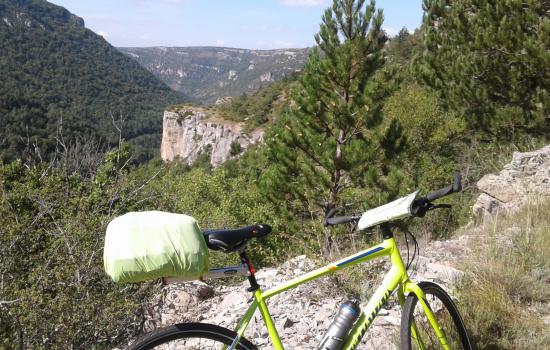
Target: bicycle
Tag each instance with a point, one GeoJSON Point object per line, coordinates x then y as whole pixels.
{"type": "Point", "coordinates": [430, 319]}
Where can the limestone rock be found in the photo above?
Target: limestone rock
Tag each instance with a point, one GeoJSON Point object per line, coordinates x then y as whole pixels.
{"type": "Point", "coordinates": [526, 176]}
{"type": "Point", "coordinates": [498, 187]}
{"type": "Point", "coordinates": [191, 131]}
{"type": "Point", "coordinates": [232, 75]}
{"type": "Point", "coordinates": [224, 100]}
{"type": "Point", "coordinates": [267, 76]}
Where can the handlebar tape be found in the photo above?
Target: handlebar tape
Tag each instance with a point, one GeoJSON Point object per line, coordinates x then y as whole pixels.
{"type": "Point", "coordinates": [455, 187]}
{"type": "Point", "coordinates": [337, 220]}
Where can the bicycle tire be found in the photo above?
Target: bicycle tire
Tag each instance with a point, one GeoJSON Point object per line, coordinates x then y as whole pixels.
{"type": "Point", "coordinates": [447, 317]}
{"type": "Point", "coordinates": [189, 336]}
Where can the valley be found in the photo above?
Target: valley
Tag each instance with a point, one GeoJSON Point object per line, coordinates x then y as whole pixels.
{"type": "Point", "coordinates": [207, 74]}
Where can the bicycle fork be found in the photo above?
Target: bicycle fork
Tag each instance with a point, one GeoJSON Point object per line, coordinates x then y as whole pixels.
{"type": "Point", "coordinates": [414, 288]}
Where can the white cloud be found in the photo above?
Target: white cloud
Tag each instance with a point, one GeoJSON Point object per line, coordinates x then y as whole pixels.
{"type": "Point", "coordinates": [304, 3]}
{"type": "Point", "coordinates": [103, 34]}
{"type": "Point", "coordinates": [220, 42]}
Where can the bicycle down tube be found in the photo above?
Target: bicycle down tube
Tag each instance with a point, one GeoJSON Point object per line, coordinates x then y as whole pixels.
{"type": "Point", "coordinates": [397, 275]}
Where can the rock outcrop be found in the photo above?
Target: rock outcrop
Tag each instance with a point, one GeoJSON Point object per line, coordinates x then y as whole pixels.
{"type": "Point", "coordinates": [190, 132]}
{"type": "Point", "coordinates": [525, 177]}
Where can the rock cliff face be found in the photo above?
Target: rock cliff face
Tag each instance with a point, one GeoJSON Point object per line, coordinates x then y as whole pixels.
{"type": "Point", "coordinates": [526, 176]}
{"type": "Point", "coordinates": [191, 132]}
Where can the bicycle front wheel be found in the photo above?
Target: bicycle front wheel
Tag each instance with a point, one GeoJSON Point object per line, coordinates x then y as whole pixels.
{"type": "Point", "coordinates": [416, 331]}
{"type": "Point", "coordinates": [190, 336]}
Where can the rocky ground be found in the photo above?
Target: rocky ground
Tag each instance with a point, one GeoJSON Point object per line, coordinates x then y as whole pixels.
{"type": "Point", "coordinates": [302, 315]}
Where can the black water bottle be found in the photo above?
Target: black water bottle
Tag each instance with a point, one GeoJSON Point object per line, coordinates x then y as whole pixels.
{"type": "Point", "coordinates": [343, 322]}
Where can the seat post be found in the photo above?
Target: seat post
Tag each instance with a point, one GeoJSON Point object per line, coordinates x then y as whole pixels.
{"type": "Point", "coordinates": [245, 260]}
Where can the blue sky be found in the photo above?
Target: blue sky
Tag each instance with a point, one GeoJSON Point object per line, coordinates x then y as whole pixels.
{"type": "Point", "coordinates": [252, 24]}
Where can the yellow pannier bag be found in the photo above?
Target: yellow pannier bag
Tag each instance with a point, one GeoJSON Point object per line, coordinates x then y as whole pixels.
{"type": "Point", "coordinates": [141, 246]}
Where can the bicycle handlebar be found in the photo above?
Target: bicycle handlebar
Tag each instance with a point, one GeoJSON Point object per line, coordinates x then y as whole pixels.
{"type": "Point", "coordinates": [419, 207]}
{"type": "Point", "coordinates": [455, 187]}
{"type": "Point", "coordinates": [423, 204]}
{"type": "Point", "coordinates": [337, 220]}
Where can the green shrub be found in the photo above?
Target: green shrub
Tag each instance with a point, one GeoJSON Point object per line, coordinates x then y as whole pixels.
{"type": "Point", "coordinates": [235, 148]}
{"type": "Point", "coordinates": [257, 109]}
{"type": "Point", "coordinates": [53, 223]}
{"type": "Point", "coordinates": [505, 294]}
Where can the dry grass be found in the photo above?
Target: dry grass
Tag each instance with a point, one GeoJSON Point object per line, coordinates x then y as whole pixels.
{"type": "Point", "coordinates": [505, 296]}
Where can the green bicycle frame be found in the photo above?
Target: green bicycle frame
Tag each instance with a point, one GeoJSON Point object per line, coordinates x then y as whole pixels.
{"type": "Point", "coordinates": [396, 277]}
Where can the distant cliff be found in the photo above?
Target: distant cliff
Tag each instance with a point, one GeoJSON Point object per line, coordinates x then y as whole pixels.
{"type": "Point", "coordinates": [208, 73]}
{"type": "Point", "coordinates": [191, 131]}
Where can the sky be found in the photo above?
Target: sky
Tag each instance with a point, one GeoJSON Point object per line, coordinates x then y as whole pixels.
{"type": "Point", "coordinates": [250, 24]}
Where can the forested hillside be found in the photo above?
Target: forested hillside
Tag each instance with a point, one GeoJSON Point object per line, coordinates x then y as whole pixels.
{"type": "Point", "coordinates": [61, 80]}
{"type": "Point", "coordinates": [365, 122]}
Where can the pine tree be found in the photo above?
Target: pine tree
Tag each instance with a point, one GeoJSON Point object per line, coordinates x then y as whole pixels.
{"type": "Point", "coordinates": [334, 138]}
{"type": "Point", "coordinates": [490, 61]}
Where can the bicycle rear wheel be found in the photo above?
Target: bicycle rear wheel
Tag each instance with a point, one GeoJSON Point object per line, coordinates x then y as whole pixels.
{"type": "Point", "coordinates": [416, 331]}
{"type": "Point", "coordinates": [190, 336]}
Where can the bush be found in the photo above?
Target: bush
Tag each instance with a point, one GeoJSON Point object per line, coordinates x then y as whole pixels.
{"type": "Point", "coordinates": [235, 148]}
{"type": "Point", "coordinates": [54, 292]}
{"type": "Point", "coordinates": [505, 294]}
{"type": "Point", "coordinates": [435, 142]}
{"type": "Point", "coordinates": [258, 109]}
{"type": "Point", "coordinates": [53, 223]}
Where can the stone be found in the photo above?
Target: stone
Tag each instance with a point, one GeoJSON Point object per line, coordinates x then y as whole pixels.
{"type": "Point", "coordinates": [232, 75]}
{"type": "Point", "coordinates": [526, 177]}
{"type": "Point", "coordinates": [267, 76]}
{"type": "Point", "coordinates": [223, 100]}
{"type": "Point", "coordinates": [497, 187]}
{"type": "Point", "coordinates": [486, 205]}
{"type": "Point", "coordinates": [205, 292]}
{"type": "Point", "coordinates": [232, 299]}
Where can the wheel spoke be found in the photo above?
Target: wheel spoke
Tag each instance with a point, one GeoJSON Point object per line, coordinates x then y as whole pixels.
{"type": "Point", "coordinates": [190, 336]}
{"type": "Point", "coordinates": [417, 331]}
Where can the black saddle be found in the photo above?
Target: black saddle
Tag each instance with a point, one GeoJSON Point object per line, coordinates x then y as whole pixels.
{"type": "Point", "coordinates": [232, 240]}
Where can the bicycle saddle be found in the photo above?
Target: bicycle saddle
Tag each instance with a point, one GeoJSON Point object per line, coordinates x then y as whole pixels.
{"type": "Point", "coordinates": [231, 240]}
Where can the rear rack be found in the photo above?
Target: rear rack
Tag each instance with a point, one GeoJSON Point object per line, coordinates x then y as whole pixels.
{"type": "Point", "coordinates": [217, 273]}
